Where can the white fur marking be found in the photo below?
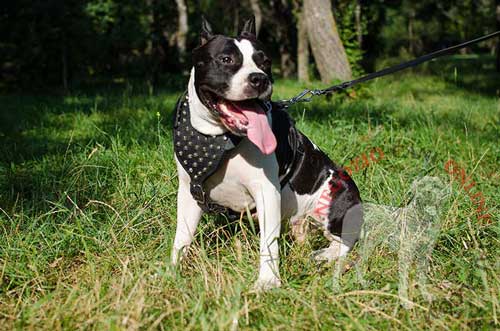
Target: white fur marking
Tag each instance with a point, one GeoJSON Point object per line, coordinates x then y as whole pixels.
{"type": "Point", "coordinates": [239, 83]}
{"type": "Point", "coordinates": [201, 117]}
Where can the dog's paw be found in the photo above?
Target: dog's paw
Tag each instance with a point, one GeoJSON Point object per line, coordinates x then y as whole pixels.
{"type": "Point", "coordinates": [322, 255]}
{"type": "Point", "coordinates": [331, 253]}
{"type": "Point", "coordinates": [177, 256]}
{"type": "Point", "coordinates": [264, 284]}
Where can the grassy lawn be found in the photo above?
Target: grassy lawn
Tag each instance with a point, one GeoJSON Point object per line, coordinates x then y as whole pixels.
{"type": "Point", "coordinates": [87, 218]}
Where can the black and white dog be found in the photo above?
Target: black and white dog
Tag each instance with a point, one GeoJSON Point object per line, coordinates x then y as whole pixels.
{"type": "Point", "coordinates": [236, 150]}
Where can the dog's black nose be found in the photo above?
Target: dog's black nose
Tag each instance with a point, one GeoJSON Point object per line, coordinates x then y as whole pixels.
{"type": "Point", "coordinates": [258, 81]}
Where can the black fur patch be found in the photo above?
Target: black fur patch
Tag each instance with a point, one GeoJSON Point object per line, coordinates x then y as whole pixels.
{"type": "Point", "coordinates": [211, 72]}
{"type": "Point", "coordinates": [306, 168]}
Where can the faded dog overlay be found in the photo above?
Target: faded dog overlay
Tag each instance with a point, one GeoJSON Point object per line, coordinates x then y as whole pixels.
{"type": "Point", "coordinates": [411, 231]}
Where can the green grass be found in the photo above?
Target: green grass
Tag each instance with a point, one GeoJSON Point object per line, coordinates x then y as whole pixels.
{"type": "Point", "coordinates": [87, 218]}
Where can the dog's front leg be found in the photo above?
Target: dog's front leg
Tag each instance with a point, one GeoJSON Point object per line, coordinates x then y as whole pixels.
{"type": "Point", "coordinates": [268, 202]}
{"type": "Point", "coordinates": [188, 217]}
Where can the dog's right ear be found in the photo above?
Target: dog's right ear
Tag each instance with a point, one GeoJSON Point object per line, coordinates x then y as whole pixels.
{"type": "Point", "coordinates": [249, 27]}
{"type": "Point", "coordinates": [206, 31]}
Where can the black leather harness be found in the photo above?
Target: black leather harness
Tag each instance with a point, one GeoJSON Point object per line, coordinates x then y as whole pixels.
{"type": "Point", "coordinates": [201, 155]}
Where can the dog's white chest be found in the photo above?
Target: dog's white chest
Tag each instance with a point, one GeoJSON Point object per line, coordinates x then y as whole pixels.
{"type": "Point", "coordinates": [231, 193]}
{"type": "Point", "coordinates": [246, 168]}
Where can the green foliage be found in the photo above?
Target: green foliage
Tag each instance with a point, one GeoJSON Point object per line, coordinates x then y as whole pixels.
{"type": "Point", "coordinates": [345, 18]}
{"type": "Point", "coordinates": [48, 42]}
{"type": "Point", "coordinates": [103, 14]}
{"type": "Point", "coordinates": [87, 213]}
{"type": "Point", "coordinates": [435, 24]}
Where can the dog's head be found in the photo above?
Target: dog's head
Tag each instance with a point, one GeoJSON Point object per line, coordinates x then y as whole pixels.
{"type": "Point", "coordinates": [232, 76]}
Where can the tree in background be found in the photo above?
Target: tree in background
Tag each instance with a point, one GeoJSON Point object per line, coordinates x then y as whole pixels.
{"type": "Point", "coordinates": [327, 48]}
{"type": "Point", "coordinates": [284, 29]}
{"type": "Point", "coordinates": [182, 27]}
{"type": "Point", "coordinates": [498, 29]}
{"type": "Point", "coordinates": [302, 47]}
{"type": "Point", "coordinates": [67, 43]}
{"type": "Point", "coordinates": [257, 13]}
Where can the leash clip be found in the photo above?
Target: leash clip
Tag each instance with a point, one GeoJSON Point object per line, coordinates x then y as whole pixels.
{"type": "Point", "coordinates": [301, 97]}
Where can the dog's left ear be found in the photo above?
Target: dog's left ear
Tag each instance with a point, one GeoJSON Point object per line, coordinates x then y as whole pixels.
{"type": "Point", "coordinates": [206, 31]}
{"type": "Point", "coordinates": [249, 27]}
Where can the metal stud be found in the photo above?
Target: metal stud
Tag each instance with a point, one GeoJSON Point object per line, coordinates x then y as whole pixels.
{"type": "Point", "coordinates": [178, 143]}
{"type": "Point", "coordinates": [190, 170]}
{"type": "Point", "coordinates": [209, 163]}
{"type": "Point", "coordinates": [196, 147]}
{"type": "Point", "coordinates": [185, 104]}
{"type": "Point", "coordinates": [185, 148]}
{"type": "Point", "coordinates": [181, 152]}
{"type": "Point", "coordinates": [214, 156]}
{"type": "Point", "coordinates": [195, 164]}
{"type": "Point", "coordinates": [225, 137]}
{"type": "Point", "coordinates": [211, 146]}
{"type": "Point", "coordinates": [200, 159]}
{"type": "Point", "coordinates": [195, 176]}
{"type": "Point", "coordinates": [185, 162]}
{"type": "Point", "coordinates": [190, 156]}
{"type": "Point", "coordinates": [204, 169]}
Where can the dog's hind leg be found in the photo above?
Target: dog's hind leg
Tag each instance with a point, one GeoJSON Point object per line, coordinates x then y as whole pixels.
{"type": "Point", "coordinates": [335, 250]}
{"type": "Point", "coordinates": [341, 243]}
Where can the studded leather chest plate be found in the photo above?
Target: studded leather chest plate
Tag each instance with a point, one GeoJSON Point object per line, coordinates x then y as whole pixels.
{"type": "Point", "coordinates": [199, 154]}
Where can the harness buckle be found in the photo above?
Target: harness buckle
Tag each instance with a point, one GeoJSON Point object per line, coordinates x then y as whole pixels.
{"type": "Point", "coordinates": [198, 193]}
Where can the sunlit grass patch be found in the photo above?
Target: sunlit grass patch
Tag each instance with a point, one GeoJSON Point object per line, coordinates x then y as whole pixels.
{"type": "Point", "coordinates": [88, 205]}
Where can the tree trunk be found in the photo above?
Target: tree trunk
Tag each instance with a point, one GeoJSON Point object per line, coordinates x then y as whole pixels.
{"type": "Point", "coordinates": [182, 28]}
{"type": "Point", "coordinates": [329, 53]}
{"type": "Point", "coordinates": [235, 5]}
{"type": "Point", "coordinates": [284, 26]}
{"type": "Point", "coordinates": [498, 38]}
{"type": "Point", "coordinates": [359, 28]}
{"type": "Point", "coordinates": [302, 49]}
{"type": "Point", "coordinates": [411, 41]}
{"type": "Point", "coordinates": [257, 12]}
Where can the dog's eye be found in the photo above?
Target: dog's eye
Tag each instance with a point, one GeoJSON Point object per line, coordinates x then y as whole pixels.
{"type": "Point", "coordinates": [266, 64]}
{"type": "Point", "coordinates": [226, 60]}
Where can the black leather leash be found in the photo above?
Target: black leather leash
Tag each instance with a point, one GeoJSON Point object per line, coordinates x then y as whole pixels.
{"type": "Point", "coordinates": [303, 96]}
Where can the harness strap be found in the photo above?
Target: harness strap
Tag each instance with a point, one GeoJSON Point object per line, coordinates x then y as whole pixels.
{"type": "Point", "coordinates": [199, 154]}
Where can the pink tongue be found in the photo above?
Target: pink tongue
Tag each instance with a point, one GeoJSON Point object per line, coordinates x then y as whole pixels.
{"type": "Point", "coordinates": [258, 130]}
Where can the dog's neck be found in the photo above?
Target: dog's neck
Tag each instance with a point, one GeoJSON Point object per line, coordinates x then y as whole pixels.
{"type": "Point", "coordinates": [202, 118]}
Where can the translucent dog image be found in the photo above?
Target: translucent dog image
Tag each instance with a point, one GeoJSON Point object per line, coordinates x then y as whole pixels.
{"type": "Point", "coordinates": [411, 231]}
